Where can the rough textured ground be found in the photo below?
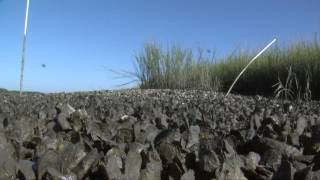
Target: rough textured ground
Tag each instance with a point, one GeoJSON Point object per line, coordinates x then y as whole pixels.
{"type": "Point", "coordinates": [157, 134]}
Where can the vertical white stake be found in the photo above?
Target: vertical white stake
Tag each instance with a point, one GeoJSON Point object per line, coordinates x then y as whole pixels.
{"type": "Point", "coordinates": [24, 47]}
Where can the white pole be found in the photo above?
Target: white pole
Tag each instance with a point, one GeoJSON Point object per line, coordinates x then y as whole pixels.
{"type": "Point", "coordinates": [264, 49]}
{"type": "Point", "coordinates": [24, 47]}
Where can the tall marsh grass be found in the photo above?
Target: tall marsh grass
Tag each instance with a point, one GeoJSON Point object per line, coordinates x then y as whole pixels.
{"type": "Point", "coordinates": [179, 68]}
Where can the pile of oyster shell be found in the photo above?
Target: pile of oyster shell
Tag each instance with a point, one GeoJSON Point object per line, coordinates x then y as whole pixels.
{"type": "Point", "coordinates": [157, 134]}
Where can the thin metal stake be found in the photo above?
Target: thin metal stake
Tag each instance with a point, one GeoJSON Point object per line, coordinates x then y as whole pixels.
{"type": "Point", "coordinates": [244, 69]}
{"type": "Point", "coordinates": [24, 47]}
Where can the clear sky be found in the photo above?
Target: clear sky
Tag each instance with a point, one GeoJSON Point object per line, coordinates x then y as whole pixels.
{"type": "Point", "coordinates": [79, 39]}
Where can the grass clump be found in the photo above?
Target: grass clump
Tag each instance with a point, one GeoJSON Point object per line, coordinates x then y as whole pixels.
{"type": "Point", "coordinates": [178, 68]}
{"type": "Point", "coordinates": [175, 68]}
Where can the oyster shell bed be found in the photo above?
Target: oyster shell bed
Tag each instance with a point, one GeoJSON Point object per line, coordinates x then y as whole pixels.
{"type": "Point", "coordinates": [157, 134]}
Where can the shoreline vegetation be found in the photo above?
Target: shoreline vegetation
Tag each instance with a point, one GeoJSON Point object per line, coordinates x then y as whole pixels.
{"type": "Point", "coordinates": [290, 72]}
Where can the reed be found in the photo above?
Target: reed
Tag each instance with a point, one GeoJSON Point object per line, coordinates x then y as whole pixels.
{"type": "Point", "coordinates": [179, 68]}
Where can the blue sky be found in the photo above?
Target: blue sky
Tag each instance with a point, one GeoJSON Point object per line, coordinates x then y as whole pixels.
{"type": "Point", "coordinates": [76, 39]}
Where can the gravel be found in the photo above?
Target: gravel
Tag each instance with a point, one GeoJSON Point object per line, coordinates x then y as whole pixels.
{"type": "Point", "coordinates": [157, 135]}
